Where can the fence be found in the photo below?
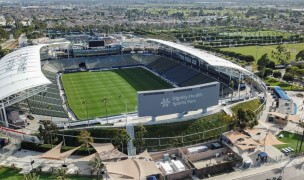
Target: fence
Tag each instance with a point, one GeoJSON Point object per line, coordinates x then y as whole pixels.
{"type": "Point", "coordinates": [164, 143]}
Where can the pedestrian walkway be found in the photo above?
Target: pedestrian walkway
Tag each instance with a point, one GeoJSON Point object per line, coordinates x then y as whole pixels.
{"type": "Point", "coordinates": [228, 111]}
{"type": "Point", "coordinates": [242, 174]}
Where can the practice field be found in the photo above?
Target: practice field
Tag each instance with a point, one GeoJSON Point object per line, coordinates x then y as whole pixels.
{"type": "Point", "coordinates": [119, 86]}
{"type": "Point", "coordinates": [258, 51]}
{"type": "Point", "coordinates": [291, 140]}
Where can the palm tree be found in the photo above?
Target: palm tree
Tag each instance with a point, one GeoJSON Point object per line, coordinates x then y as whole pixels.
{"type": "Point", "coordinates": [96, 166]}
{"type": "Point", "coordinates": [293, 71]}
{"type": "Point", "coordinates": [61, 173]}
{"type": "Point", "coordinates": [31, 176]}
{"type": "Point", "coordinates": [105, 100]}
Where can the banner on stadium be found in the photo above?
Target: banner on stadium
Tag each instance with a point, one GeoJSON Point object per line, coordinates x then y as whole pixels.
{"type": "Point", "coordinates": [178, 100]}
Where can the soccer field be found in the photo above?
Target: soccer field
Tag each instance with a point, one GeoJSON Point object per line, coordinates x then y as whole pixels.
{"type": "Point", "coordinates": [258, 51]}
{"type": "Point", "coordinates": [119, 86]}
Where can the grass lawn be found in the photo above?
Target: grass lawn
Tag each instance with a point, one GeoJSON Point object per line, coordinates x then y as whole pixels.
{"type": "Point", "coordinates": [291, 140]}
{"type": "Point", "coordinates": [203, 124]}
{"type": "Point", "coordinates": [257, 52]}
{"type": "Point", "coordinates": [248, 105]}
{"type": "Point", "coordinates": [13, 174]}
{"type": "Point", "coordinates": [94, 86]}
{"type": "Point", "coordinates": [284, 85]}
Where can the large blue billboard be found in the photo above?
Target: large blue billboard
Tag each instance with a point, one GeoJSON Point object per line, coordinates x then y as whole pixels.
{"type": "Point", "coordinates": [178, 100]}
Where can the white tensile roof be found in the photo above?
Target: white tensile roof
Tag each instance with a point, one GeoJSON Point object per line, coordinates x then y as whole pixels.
{"type": "Point", "coordinates": [21, 70]}
{"type": "Point", "coordinates": [202, 55]}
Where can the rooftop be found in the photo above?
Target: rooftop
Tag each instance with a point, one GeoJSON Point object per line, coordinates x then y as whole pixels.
{"type": "Point", "coordinates": [281, 93]}
{"type": "Point", "coordinates": [21, 70]}
{"type": "Point", "coordinates": [202, 55]}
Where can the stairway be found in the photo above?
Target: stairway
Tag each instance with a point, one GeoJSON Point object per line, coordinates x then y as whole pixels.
{"type": "Point", "coordinates": [131, 148]}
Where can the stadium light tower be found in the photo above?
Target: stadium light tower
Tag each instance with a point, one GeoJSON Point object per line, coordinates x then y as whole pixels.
{"type": "Point", "coordinates": [126, 106]}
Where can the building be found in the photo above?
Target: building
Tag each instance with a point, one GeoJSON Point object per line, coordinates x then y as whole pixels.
{"type": "Point", "coordinates": [200, 159]}
{"type": "Point", "coordinates": [282, 102]}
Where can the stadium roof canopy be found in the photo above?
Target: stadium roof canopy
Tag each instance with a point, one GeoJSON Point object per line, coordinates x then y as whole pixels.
{"type": "Point", "coordinates": [21, 75]}
{"type": "Point", "coordinates": [212, 60]}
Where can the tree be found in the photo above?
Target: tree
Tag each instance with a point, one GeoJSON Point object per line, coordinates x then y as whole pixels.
{"type": "Point", "coordinates": [96, 165]}
{"type": "Point", "coordinates": [120, 138]}
{"type": "Point", "coordinates": [61, 173]}
{"type": "Point", "coordinates": [241, 114]}
{"type": "Point", "coordinates": [280, 48]}
{"type": "Point", "coordinates": [263, 61]}
{"type": "Point", "coordinates": [271, 65]}
{"type": "Point", "coordinates": [252, 119]}
{"type": "Point", "coordinates": [31, 176]}
{"type": "Point", "coordinates": [282, 54]}
{"type": "Point", "coordinates": [293, 70]}
{"type": "Point", "coordinates": [277, 74]}
{"type": "Point", "coordinates": [288, 77]}
{"type": "Point", "coordinates": [4, 34]}
{"type": "Point", "coordinates": [141, 131]}
{"type": "Point", "coordinates": [48, 132]}
{"type": "Point", "coordinates": [268, 72]}
{"type": "Point", "coordinates": [300, 56]}
{"type": "Point", "coordinates": [246, 118]}
{"type": "Point", "coordinates": [85, 138]}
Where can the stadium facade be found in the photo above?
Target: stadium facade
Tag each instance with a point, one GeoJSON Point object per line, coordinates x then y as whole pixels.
{"type": "Point", "coordinates": [30, 75]}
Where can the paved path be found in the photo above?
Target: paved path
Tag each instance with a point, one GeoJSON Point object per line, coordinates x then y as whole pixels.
{"type": "Point", "coordinates": [263, 171]}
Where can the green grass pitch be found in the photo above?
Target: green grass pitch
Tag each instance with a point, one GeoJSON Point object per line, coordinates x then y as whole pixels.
{"type": "Point", "coordinates": [94, 86]}
{"type": "Point", "coordinates": [258, 51]}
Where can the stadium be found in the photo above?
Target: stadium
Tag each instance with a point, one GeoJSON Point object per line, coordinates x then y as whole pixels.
{"type": "Point", "coordinates": [81, 84]}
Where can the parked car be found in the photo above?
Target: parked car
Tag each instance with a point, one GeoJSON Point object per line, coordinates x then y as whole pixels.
{"type": "Point", "coordinates": [30, 117]}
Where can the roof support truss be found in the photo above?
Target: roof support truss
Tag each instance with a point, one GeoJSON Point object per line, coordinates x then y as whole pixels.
{"type": "Point", "coordinates": [8, 101]}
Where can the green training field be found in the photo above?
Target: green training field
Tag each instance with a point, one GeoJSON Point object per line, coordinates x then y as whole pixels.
{"type": "Point", "coordinates": [119, 86]}
{"type": "Point", "coordinates": [291, 140]}
{"type": "Point", "coordinates": [258, 51]}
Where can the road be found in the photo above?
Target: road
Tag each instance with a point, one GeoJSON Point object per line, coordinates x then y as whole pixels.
{"type": "Point", "coordinates": [290, 173]}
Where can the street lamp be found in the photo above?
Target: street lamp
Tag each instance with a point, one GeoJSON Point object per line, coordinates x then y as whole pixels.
{"type": "Point", "coordinates": [126, 106]}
